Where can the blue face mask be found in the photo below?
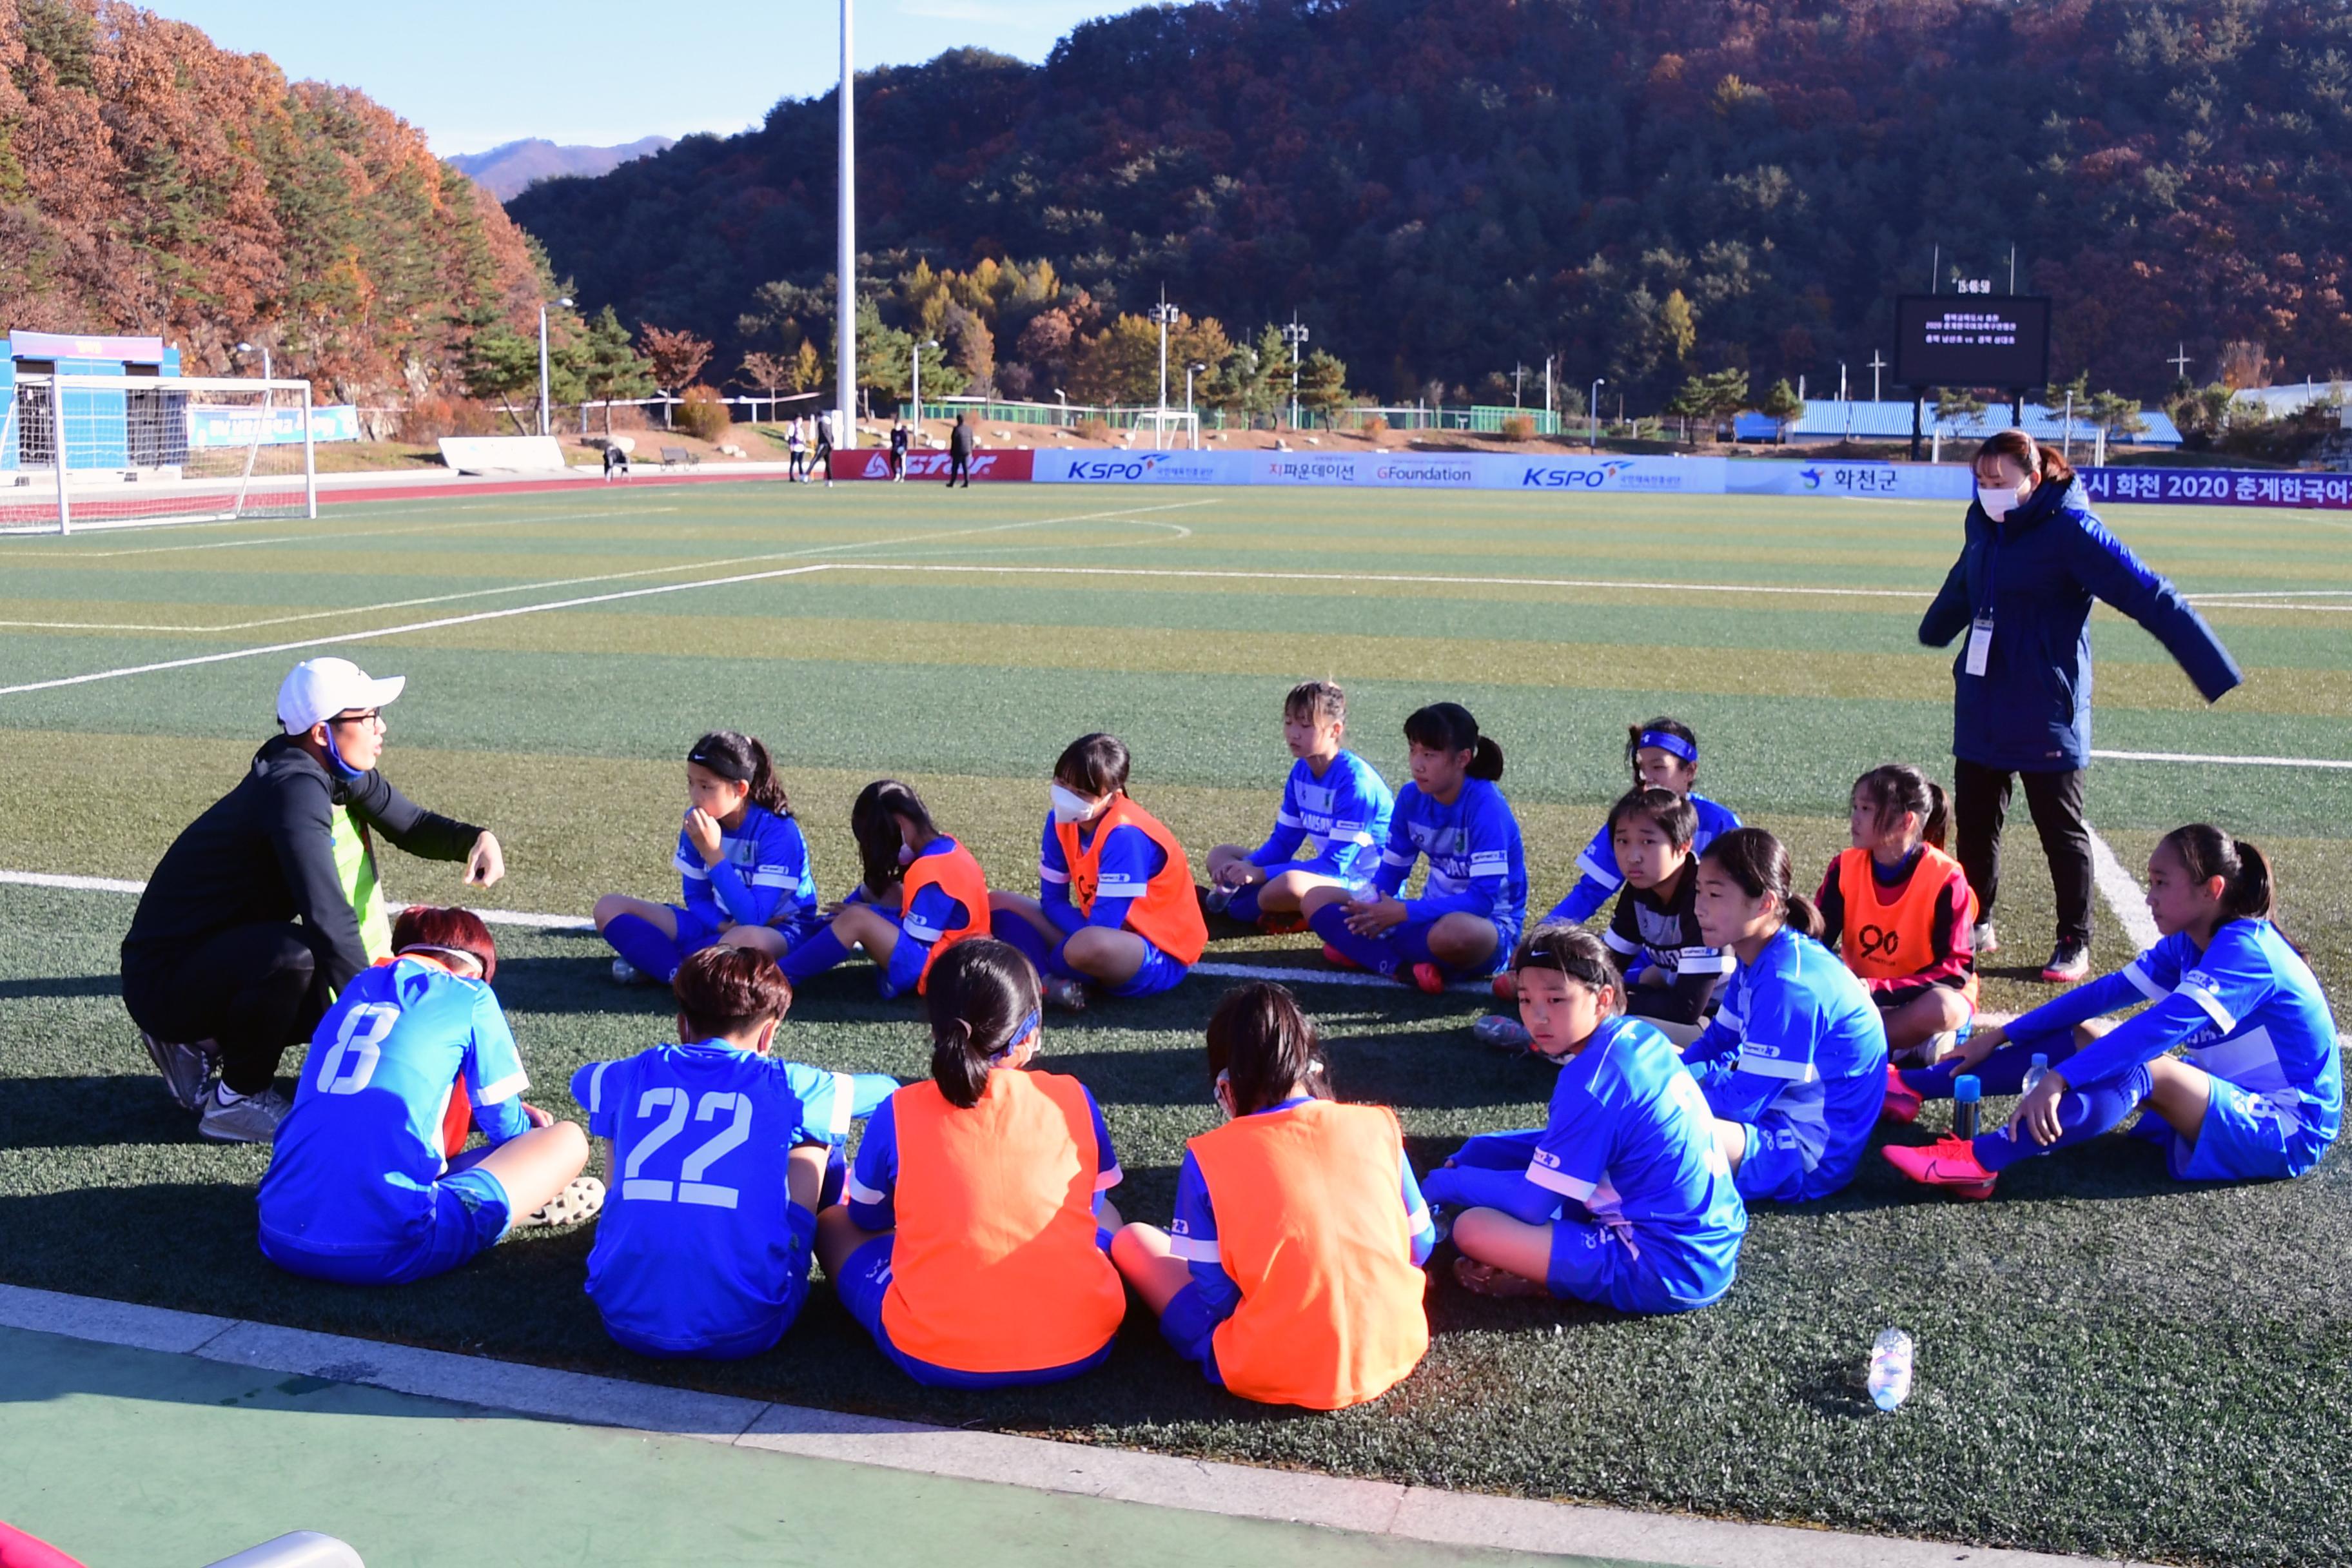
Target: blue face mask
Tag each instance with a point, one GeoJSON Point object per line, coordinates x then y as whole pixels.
{"type": "Point", "coordinates": [335, 758]}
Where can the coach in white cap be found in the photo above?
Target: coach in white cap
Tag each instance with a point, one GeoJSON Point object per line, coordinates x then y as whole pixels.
{"type": "Point", "coordinates": [267, 904]}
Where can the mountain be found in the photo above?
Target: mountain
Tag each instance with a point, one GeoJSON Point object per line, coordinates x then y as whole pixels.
{"type": "Point", "coordinates": [507, 171]}
{"type": "Point", "coordinates": [152, 182]}
{"type": "Point", "coordinates": [1443, 189]}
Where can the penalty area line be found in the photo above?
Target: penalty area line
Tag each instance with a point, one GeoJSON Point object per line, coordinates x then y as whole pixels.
{"type": "Point", "coordinates": [2222, 761]}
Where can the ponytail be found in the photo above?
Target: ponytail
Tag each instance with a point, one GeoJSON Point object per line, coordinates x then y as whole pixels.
{"type": "Point", "coordinates": [984, 1003]}
{"type": "Point", "coordinates": [1938, 826]}
{"type": "Point", "coordinates": [2248, 892]}
{"type": "Point", "coordinates": [2042, 462]}
{"type": "Point", "coordinates": [874, 824]}
{"type": "Point", "coordinates": [1448, 727]}
{"type": "Point", "coordinates": [1265, 1045]}
{"type": "Point", "coordinates": [1898, 788]}
{"type": "Point", "coordinates": [1758, 864]}
{"type": "Point", "coordinates": [739, 758]}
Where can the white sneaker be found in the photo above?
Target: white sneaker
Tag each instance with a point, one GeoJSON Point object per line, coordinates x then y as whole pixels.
{"type": "Point", "coordinates": [252, 1120]}
{"type": "Point", "coordinates": [1062, 991]}
{"type": "Point", "coordinates": [185, 1068]}
{"type": "Point", "coordinates": [627, 974]}
{"type": "Point", "coordinates": [1984, 939]}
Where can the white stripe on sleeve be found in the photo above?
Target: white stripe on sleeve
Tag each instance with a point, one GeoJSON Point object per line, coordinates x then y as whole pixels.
{"type": "Point", "coordinates": [1560, 1182]}
{"type": "Point", "coordinates": [2141, 983]}
{"type": "Point", "coordinates": [1194, 1249]}
{"type": "Point", "coordinates": [858, 1192]}
{"type": "Point", "coordinates": [845, 1101]}
{"type": "Point", "coordinates": [506, 1088]}
{"type": "Point", "coordinates": [596, 1089]}
{"type": "Point", "coordinates": [2211, 1004]}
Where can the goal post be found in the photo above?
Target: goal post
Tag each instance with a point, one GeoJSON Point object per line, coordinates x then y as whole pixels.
{"type": "Point", "coordinates": [85, 451]}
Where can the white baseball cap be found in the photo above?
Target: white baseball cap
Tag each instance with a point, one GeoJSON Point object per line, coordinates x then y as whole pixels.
{"type": "Point", "coordinates": [321, 688]}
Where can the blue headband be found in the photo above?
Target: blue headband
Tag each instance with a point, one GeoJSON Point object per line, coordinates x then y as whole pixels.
{"type": "Point", "coordinates": [1023, 1033]}
{"type": "Point", "coordinates": [1672, 744]}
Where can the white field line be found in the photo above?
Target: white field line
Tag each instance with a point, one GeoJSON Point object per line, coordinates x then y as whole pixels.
{"type": "Point", "coordinates": [1433, 579]}
{"type": "Point", "coordinates": [2226, 761]}
{"type": "Point", "coordinates": [448, 621]}
{"type": "Point", "coordinates": [2123, 894]}
{"type": "Point", "coordinates": [324, 536]}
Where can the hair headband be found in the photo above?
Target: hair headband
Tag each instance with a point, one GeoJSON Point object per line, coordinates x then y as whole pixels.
{"type": "Point", "coordinates": [725, 766]}
{"type": "Point", "coordinates": [1674, 745]}
{"type": "Point", "coordinates": [467, 953]}
{"type": "Point", "coordinates": [1023, 1033]}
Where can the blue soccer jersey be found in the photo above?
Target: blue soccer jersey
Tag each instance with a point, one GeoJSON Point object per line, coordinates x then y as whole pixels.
{"type": "Point", "coordinates": [1333, 826]}
{"type": "Point", "coordinates": [356, 1157]}
{"type": "Point", "coordinates": [699, 1251]}
{"type": "Point", "coordinates": [1600, 877]}
{"type": "Point", "coordinates": [1192, 1318]}
{"type": "Point", "coordinates": [764, 877]}
{"type": "Point", "coordinates": [2247, 1010]}
{"type": "Point", "coordinates": [1125, 869]}
{"type": "Point", "coordinates": [1798, 1053]}
{"type": "Point", "coordinates": [1476, 864]}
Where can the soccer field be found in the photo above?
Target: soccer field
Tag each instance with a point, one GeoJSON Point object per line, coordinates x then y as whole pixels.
{"type": "Point", "coordinates": [2108, 1362]}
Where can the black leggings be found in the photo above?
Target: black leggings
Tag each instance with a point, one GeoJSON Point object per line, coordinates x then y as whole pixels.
{"type": "Point", "coordinates": [958, 465]}
{"type": "Point", "coordinates": [1980, 803]}
{"type": "Point", "coordinates": [255, 989]}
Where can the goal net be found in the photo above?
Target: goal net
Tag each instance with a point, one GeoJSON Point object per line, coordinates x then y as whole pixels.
{"type": "Point", "coordinates": [139, 451]}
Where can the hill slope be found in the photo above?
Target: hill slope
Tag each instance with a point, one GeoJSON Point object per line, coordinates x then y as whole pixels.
{"type": "Point", "coordinates": [1443, 188]}
{"type": "Point", "coordinates": [509, 169]}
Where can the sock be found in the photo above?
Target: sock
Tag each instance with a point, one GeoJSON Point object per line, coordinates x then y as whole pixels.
{"type": "Point", "coordinates": [1411, 941]}
{"type": "Point", "coordinates": [1059, 962]}
{"type": "Point", "coordinates": [2003, 1072]}
{"type": "Point", "coordinates": [641, 941]}
{"type": "Point", "coordinates": [812, 955]}
{"type": "Point", "coordinates": [1378, 955]}
{"type": "Point", "coordinates": [1244, 906]}
{"type": "Point", "coordinates": [1006, 926]}
{"type": "Point", "coordinates": [2085, 1113]}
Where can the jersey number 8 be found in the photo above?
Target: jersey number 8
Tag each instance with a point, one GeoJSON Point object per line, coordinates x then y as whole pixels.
{"type": "Point", "coordinates": [689, 1187]}
{"type": "Point", "coordinates": [351, 1061]}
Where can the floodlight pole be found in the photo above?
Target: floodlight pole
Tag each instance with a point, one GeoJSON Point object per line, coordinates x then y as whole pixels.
{"type": "Point", "coordinates": [1165, 315]}
{"type": "Point", "coordinates": [1295, 336]}
{"type": "Point", "coordinates": [1877, 364]}
{"type": "Point", "coordinates": [845, 373]}
{"type": "Point", "coordinates": [544, 427]}
{"type": "Point", "coordinates": [1191, 419]}
{"type": "Point", "coordinates": [1548, 415]}
{"type": "Point", "coordinates": [1592, 406]}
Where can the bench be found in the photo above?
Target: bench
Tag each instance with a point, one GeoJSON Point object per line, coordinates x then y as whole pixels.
{"type": "Point", "coordinates": [673, 455]}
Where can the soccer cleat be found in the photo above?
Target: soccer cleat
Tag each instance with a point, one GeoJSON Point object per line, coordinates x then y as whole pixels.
{"type": "Point", "coordinates": [1506, 986]}
{"type": "Point", "coordinates": [583, 1199]}
{"type": "Point", "coordinates": [627, 974]}
{"type": "Point", "coordinates": [1214, 899]}
{"type": "Point", "coordinates": [1902, 1102]}
{"type": "Point", "coordinates": [2070, 962]}
{"type": "Point", "coordinates": [1338, 960]}
{"type": "Point", "coordinates": [1428, 979]}
{"type": "Point", "coordinates": [186, 1069]}
{"type": "Point", "coordinates": [253, 1117]}
{"type": "Point", "coordinates": [1061, 991]}
{"type": "Point", "coordinates": [1949, 1163]}
{"type": "Point", "coordinates": [1984, 939]}
{"type": "Point", "coordinates": [1283, 925]}
{"type": "Point", "coordinates": [1503, 1034]}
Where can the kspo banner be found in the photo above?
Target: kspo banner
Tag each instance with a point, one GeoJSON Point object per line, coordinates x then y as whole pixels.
{"type": "Point", "coordinates": [988, 465]}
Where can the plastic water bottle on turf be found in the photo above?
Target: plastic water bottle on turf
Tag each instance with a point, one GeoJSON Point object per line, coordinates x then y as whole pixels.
{"type": "Point", "coordinates": [1968, 1106]}
{"type": "Point", "coordinates": [2038, 1070]}
{"type": "Point", "coordinates": [1364, 891]}
{"type": "Point", "coordinates": [1890, 1368]}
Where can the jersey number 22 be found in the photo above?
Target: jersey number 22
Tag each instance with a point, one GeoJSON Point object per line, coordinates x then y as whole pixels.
{"type": "Point", "coordinates": [670, 1103]}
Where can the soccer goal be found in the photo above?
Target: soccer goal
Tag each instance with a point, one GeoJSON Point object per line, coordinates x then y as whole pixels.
{"type": "Point", "coordinates": [127, 451]}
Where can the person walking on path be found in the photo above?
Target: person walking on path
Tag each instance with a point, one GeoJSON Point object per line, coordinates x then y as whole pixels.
{"type": "Point", "coordinates": [825, 445]}
{"type": "Point", "coordinates": [266, 905]}
{"type": "Point", "coordinates": [2035, 559]}
{"type": "Point", "coordinates": [959, 453]}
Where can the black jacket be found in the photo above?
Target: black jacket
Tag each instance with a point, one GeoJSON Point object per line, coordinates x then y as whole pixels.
{"type": "Point", "coordinates": [2036, 573]}
{"type": "Point", "coordinates": [264, 852]}
{"type": "Point", "coordinates": [960, 441]}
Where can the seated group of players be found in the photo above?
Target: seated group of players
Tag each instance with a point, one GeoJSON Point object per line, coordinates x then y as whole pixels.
{"type": "Point", "coordinates": [1714, 1049]}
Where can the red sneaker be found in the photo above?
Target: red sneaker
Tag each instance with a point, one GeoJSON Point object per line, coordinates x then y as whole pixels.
{"type": "Point", "coordinates": [1338, 960]}
{"type": "Point", "coordinates": [1283, 925]}
{"type": "Point", "coordinates": [1902, 1102]}
{"type": "Point", "coordinates": [1949, 1163]}
{"type": "Point", "coordinates": [1506, 987]}
{"type": "Point", "coordinates": [1429, 979]}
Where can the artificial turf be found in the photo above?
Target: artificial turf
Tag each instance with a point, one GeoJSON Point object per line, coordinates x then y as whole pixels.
{"type": "Point", "coordinates": [2108, 1362]}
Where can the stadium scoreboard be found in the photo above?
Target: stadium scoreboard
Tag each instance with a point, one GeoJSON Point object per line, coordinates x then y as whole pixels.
{"type": "Point", "coordinates": [1972, 340]}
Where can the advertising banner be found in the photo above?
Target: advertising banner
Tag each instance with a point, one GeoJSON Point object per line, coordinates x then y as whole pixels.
{"type": "Point", "coordinates": [226, 425]}
{"type": "Point", "coordinates": [989, 465]}
{"type": "Point", "coordinates": [2218, 487]}
{"type": "Point", "coordinates": [1107, 468]}
{"type": "Point", "coordinates": [1891, 481]}
{"type": "Point", "coordinates": [1663, 475]}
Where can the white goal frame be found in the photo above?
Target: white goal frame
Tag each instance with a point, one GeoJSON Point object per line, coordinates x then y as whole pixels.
{"type": "Point", "coordinates": [77, 495]}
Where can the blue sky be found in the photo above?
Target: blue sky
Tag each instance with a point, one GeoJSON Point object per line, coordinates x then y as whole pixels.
{"type": "Point", "coordinates": [474, 74]}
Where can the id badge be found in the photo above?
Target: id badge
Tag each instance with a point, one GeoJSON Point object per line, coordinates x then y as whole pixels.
{"type": "Point", "coordinates": [1979, 645]}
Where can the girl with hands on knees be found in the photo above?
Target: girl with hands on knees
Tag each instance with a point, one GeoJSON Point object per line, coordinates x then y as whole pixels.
{"type": "Point", "coordinates": [2257, 1093]}
{"type": "Point", "coordinates": [1623, 1196]}
{"type": "Point", "coordinates": [1292, 1274]}
{"type": "Point", "coordinates": [923, 893]}
{"type": "Point", "coordinates": [1328, 830]}
{"type": "Point", "coordinates": [742, 865]}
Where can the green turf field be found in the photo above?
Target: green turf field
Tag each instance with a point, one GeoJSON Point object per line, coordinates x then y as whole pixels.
{"type": "Point", "coordinates": [2108, 1362]}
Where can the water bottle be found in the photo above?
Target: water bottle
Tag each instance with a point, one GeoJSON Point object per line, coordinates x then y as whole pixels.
{"type": "Point", "coordinates": [1968, 1106]}
{"type": "Point", "coordinates": [1364, 891]}
{"type": "Point", "coordinates": [2035, 1072]}
{"type": "Point", "coordinates": [1890, 1368]}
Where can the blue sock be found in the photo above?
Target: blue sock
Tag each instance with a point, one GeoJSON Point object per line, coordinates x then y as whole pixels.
{"type": "Point", "coordinates": [1375, 954]}
{"type": "Point", "coordinates": [1058, 962]}
{"type": "Point", "coordinates": [641, 941]}
{"type": "Point", "coordinates": [1006, 926]}
{"type": "Point", "coordinates": [1410, 942]}
{"type": "Point", "coordinates": [1244, 906]}
{"type": "Point", "coordinates": [2085, 1113]}
{"type": "Point", "coordinates": [812, 955]}
{"type": "Point", "coordinates": [2003, 1072]}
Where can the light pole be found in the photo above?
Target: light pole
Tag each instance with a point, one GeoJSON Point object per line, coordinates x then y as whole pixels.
{"type": "Point", "coordinates": [1592, 406]}
{"type": "Point", "coordinates": [1193, 368]}
{"type": "Point", "coordinates": [845, 304]}
{"type": "Point", "coordinates": [1164, 316]}
{"type": "Point", "coordinates": [542, 361]}
{"type": "Point", "coordinates": [1519, 373]}
{"type": "Point", "coordinates": [1295, 336]}
{"type": "Point", "coordinates": [1548, 420]}
{"type": "Point", "coordinates": [919, 346]}
{"type": "Point", "coordinates": [1064, 399]}
{"type": "Point", "coordinates": [248, 348]}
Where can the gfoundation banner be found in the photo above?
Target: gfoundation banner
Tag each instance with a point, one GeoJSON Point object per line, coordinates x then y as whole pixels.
{"type": "Point", "coordinates": [989, 464]}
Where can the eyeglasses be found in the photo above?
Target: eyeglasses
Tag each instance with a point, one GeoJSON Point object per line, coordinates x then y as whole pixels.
{"type": "Point", "coordinates": [372, 716]}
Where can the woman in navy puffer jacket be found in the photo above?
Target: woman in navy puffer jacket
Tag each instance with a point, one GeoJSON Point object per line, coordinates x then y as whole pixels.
{"type": "Point", "coordinates": [2022, 593]}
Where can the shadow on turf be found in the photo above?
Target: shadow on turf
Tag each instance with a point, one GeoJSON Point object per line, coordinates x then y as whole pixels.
{"type": "Point", "coordinates": [90, 1112]}
{"type": "Point", "coordinates": [60, 985]}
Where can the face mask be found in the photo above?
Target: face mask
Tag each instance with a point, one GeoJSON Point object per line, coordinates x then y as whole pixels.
{"type": "Point", "coordinates": [1997, 504]}
{"type": "Point", "coordinates": [1069, 807]}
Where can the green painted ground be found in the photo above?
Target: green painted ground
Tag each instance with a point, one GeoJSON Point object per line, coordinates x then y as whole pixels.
{"type": "Point", "coordinates": [2109, 1363]}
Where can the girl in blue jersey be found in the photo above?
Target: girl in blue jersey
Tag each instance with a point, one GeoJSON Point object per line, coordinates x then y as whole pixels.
{"type": "Point", "coordinates": [923, 893]}
{"type": "Point", "coordinates": [358, 1191]}
{"type": "Point", "coordinates": [1624, 1196]}
{"type": "Point", "coordinates": [1794, 1065]}
{"type": "Point", "coordinates": [2258, 1091]}
{"type": "Point", "coordinates": [1469, 913]}
{"type": "Point", "coordinates": [743, 863]}
{"type": "Point", "coordinates": [1328, 831]}
{"type": "Point", "coordinates": [1662, 755]}
{"type": "Point", "coordinates": [719, 1156]}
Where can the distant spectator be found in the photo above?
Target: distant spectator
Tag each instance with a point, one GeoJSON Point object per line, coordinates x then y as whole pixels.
{"type": "Point", "coordinates": [616, 458]}
{"type": "Point", "coordinates": [959, 454]}
{"type": "Point", "coordinates": [796, 450]}
{"type": "Point", "coordinates": [898, 437]}
{"type": "Point", "coordinates": [825, 445]}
